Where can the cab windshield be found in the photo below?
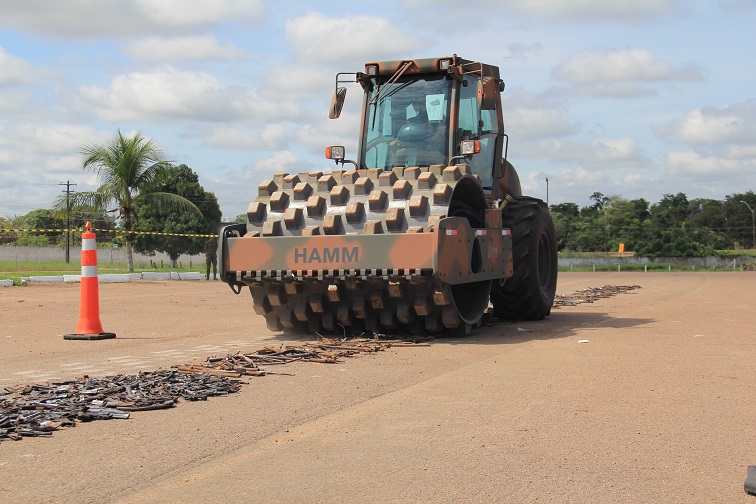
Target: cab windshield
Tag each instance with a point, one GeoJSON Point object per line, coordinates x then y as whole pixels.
{"type": "Point", "coordinates": [407, 122]}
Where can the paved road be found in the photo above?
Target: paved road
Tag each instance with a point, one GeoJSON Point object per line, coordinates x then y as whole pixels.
{"type": "Point", "coordinates": [657, 406]}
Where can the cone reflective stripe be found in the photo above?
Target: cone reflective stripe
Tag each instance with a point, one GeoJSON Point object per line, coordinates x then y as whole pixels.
{"type": "Point", "coordinates": [89, 326]}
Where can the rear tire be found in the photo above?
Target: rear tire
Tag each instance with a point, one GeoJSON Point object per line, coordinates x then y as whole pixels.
{"type": "Point", "coordinates": [529, 293]}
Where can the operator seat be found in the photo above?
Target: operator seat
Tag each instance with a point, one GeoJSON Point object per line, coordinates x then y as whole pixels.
{"type": "Point", "coordinates": [420, 144]}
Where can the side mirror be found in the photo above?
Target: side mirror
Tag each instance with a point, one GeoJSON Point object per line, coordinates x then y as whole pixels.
{"type": "Point", "coordinates": [487, 93]}
{"type": "Point", "coordinates": [337, 103]}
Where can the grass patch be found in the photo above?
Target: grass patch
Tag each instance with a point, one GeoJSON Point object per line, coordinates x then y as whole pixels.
{"type": "Point", "coordinates": [15, 270]}
{"type": "Point", "coordinates": [641, 268]}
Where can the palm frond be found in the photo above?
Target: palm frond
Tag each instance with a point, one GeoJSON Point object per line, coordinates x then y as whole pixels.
{"type": "Point", "coordinates": [95, 199]}
{"type": "Point", "coordinates": [168, 202]}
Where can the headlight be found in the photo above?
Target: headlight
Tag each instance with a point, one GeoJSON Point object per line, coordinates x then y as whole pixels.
{"type": "Point", "coordinates": [335, 152]}
{"type": "Point", "coordinates": [467, 147]}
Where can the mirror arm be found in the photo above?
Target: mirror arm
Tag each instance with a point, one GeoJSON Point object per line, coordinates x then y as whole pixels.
{"type": "Point", "coordinates": [344, 161]}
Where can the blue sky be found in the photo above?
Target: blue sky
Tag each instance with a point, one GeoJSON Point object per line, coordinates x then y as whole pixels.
{"type": "Point", "coordinates": [634, 98]}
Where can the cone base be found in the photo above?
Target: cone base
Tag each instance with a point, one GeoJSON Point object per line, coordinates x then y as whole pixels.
{"type": "Point", "coordinates": [100, 336]}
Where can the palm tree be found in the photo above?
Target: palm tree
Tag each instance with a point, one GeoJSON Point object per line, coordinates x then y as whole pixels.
{"type": "Point", "coordinates": [124, 166]}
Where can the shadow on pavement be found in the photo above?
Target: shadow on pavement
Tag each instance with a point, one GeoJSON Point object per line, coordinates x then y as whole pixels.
{"type": "Point", "coordinates": [560, 324]}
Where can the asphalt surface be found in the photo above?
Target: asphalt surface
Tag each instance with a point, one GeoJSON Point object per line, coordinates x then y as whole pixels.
{"type": "Point", "coordinates": [657, 406]}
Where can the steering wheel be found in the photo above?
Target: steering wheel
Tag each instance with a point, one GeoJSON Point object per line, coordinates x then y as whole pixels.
{"type": "Point", "coordinates": [378, 141]}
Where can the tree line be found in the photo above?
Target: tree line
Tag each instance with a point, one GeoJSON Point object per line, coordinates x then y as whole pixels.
{"type": "Point", "coordinates": [673, 227]}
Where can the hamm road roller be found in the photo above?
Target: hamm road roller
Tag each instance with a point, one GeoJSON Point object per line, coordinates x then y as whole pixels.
{"type": "Point", "coordinates": [419, 232]}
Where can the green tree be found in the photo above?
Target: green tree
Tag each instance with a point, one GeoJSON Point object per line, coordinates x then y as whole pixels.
{"type": "Point", "coordinates": [625, 222]}
{"type": "Point", "coordinates": [592, 230]}
{"type": "Point", "coordinates": [6, 237]}
{"type": "Point", "coordinates": [14, 222]}
{"type": "Point", "coordinates": [670, 212]}
{"type": "Point", "coordinates": [565, 216]}
{"type": "Point", "coordinates": [588, 234]}
{"type": "Point", "coordinates": [670, 243]}
{"type": "Point", "coordinates": [739, 219]}
{"type": "Point", "coordinates": [41, 218]}
{"type": "Point", "coordinates": [183, 181]}
{"type": "Point", "coordinates": [708, 223]}
{"type": "Point", "coordinates": [124, 166]}
{"type": "Point", "coordinates": [671, 231]}
{"type": "Point", "coordinates": [595, 210]}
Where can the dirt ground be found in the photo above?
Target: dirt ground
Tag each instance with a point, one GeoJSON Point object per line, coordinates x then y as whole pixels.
{"type": "Point", "coordinates": [658, 405]}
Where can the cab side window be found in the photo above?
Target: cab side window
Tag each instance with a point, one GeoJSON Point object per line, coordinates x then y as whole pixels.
{"type": "Point", "coordinates": [476, 124]}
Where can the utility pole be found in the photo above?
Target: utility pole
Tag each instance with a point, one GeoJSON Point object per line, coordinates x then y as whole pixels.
{"type": "Point", "coordinates": [547, 191]}
{"type": "Point", "coordinates": [753, 224]}
{"type": "Point", "coordinates": [68, 192]}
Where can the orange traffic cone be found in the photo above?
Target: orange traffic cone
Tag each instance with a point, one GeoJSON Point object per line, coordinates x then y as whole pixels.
{"type": "Point", "coordinates": [89, 327]}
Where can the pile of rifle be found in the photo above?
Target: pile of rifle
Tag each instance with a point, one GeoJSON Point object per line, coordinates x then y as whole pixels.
{"type": "Point", "coordinates": [591, 294]}
{"type": "Point", "coordinates": [38, 410]}
{"type": "Point", "coordinates": [327, 351]}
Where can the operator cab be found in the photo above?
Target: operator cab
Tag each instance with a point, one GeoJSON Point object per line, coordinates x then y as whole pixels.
{"type": "Point", "coordinates": [418, 114]}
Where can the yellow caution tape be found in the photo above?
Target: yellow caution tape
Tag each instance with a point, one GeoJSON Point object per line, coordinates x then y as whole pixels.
{"type": "Point", "coordinates": [116, 231]}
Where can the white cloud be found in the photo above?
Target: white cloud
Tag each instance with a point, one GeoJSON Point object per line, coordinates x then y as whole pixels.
{"type": "Point", "coordinates": [616, 150]}
{"type": "Point", "coordinates": [738, 5]}
{"type": "Point", "coordinates": [524, 52]}
{"type": "Point", "coordinates": [573, 180]}
{"type": "Point", "coordinates": [58, 138]}
{"type": "Point", "coordinates": [528, 116]}
{"type": "Point", "coordinates": [634, 180]}
{"type": "Point", "coordinates": [347, 40]}
{"type": "Point", "coordinates": [273, 137]}
{"type": "Point", "coordinates": [721, 144]}
{"type": "Point", "coordinates": [14, 102]}
{"type": "Point", "coordinates": [279, 162]}
{"type": "Point", "coordinates": [537, 123]}
{"type": "Point", "coordinates": [201, 47]}
{"type": "Point", "coordinates": [694, 165]}
{"type": "Point", "coordinates": [342, 131]}
{"type": "Point", "coordinates": [581, 175]}
{"type": "Point", "coordinates": [169, 94]}
{"type": "Point", "coordinates": [620, 73]}
{"type": "Point", "coordinates": [81, 19]}
{"type": "Point", "coordinates": [14, 70]}
{"type": "Point", "coordinates": [197, 12]}
{"type": "Point", "coordinates": [741, 151]}
{"type": "Point", "coordinates": [621, 66]}
{"type": "Point", "coordinates": [620, 11]}
{"type": "Point", "coordinates": [728, 124]}
{"type": "Point", "coordinates": [47, 149]}
{"type": "Point", "coordinates": [166, 93]}
{"type": "Point", "coordinates": [600, 153]}
{"type": "Point", "coordinates": [35, 157]}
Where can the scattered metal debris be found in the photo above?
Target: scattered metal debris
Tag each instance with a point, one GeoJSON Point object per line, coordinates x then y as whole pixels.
{"type": "Point", "coordinates": [38, 410]}
{"type": "Point", "coordinates": [591, 294]}
{"type": "Point", "coordinates": [326, 351]}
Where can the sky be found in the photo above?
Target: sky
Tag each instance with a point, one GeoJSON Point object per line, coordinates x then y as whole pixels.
{"type": "Point", "coordinates": [635, 98]}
